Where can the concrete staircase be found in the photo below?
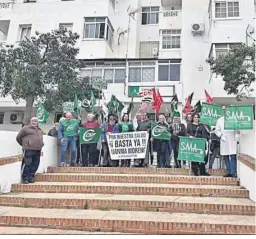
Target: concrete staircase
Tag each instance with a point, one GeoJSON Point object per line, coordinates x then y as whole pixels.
{"type": "Point", "coordinates": [129, 200]}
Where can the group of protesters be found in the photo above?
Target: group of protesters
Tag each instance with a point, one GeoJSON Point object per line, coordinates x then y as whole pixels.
{"type": "Point", "coordinates": [91, 154]}
{"type": "Point", "coordinates": [88, 155]}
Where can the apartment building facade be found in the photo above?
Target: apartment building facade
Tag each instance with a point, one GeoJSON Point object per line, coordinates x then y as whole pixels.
{"type": "Point", "coordinates": [139, 43]}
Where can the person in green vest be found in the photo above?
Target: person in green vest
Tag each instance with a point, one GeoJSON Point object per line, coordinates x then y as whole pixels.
{"type": "Point", "coordinates": [67, 133]}
{"type": "Point", "coordinates": [125, 126]}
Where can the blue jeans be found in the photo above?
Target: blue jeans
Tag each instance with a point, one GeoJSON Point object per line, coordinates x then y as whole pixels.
{"type": "Point", "coordinates": [31, 164]}
{"type": "Point", "coordinates": [69, 140]}
{"type": "Point", "coordinates": [230, 162]}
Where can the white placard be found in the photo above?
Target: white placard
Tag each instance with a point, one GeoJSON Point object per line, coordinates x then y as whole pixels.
{"type": "Point", "coordinates": [132, 145]}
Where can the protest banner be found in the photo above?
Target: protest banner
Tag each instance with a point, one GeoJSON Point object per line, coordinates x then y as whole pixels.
{"type": "Point", "coordinates": [210, 113]}
{"type": "Point", "coordinates": [89, 136]}
{"type": "Point", "coordinates": [191, 149]}
{"type": "Point", "coordinates": [238, 117]}
{"type": "Point", "coordinates": [132, 145]}
{"type": "Point", "coordinates": [160, 132]}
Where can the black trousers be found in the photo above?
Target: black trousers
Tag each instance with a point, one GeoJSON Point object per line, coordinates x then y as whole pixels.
{"type": "Point", "coordinates": [78, 156]}
{"type": "Point", "coordinates": [31, 164]}
{"type": "Point", "coordinates": [89, 154]}
{"type": "Point", "coordinates": [106, 157]}
{"type": "Point", "coordinates": [199, 168]}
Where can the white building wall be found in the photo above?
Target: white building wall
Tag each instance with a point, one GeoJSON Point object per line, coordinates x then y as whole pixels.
{"type": "Point", "coordinates": [45, 15]}
{"type": "Point", "coordinates": [195, 70]}
{"type": "Point", "coordinates": [230, 31]}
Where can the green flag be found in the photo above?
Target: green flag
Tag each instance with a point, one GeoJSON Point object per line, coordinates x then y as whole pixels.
{"type": "Point", "coordinates": [93, 100]}
{"type": "Point", "coordinates": [115, 105]}
{"type": "Point", "coordinates": [174, 106]}
{"type": "Point", "coordinates": [130, 107]}
{"type": "Point", "coordinates": [76, 106]}
{"type": "Point", "coordinates": [160, 132]}
{"type": "Point", "coordinates": [238, 117]}
{"type": "Point", "coordinates": [89, 136]}
{"type": "Point", "coordinates": [42, 114]}
{"type": "Point", "coordinates": [198, 107]}
{"type": "Point", "coordinates": [191, 149]}
{"type": "Point", "coordinates": [210, 113]}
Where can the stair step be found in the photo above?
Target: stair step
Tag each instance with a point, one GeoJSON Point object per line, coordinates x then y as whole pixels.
{"type": "Point", "coordinates": [133, 188]}
{"type": "Point", "coordinates": [46, 231]}
{"type": "Point", "coordinates": [131, 178]}
{"type": "Point", "coordinates": [206, 205]}
{"type": "Point", "coordinates": [120, 170]}
{"type": "Point", "coordinates": [127, 221]}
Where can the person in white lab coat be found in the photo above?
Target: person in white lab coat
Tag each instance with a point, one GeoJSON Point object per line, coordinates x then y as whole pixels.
{"type": "Point", "coordinates": [228, 146]}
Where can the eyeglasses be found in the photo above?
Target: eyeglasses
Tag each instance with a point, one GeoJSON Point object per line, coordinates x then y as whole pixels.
{"type": "Point", "coordinates": [196, 117]}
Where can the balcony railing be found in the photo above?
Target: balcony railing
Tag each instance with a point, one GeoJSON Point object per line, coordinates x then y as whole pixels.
{"type": "Point", "coordinates": [171, 14]}
{"type": "Point", "coordinates": [170, 19]}
{"type": "Point", "coordinates": [6, 4]}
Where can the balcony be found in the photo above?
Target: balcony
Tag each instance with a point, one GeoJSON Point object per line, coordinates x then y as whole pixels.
{"type": "Point", "coordinates": [170, 20]}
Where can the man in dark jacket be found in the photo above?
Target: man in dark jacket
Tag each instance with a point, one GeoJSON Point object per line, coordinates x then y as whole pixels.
{"type": "Point", "coordinates": [30, 138]}
{"type": "Point", "coordinates": [144, 125]}
{"type": "Point", "coordinates": [177, 129]}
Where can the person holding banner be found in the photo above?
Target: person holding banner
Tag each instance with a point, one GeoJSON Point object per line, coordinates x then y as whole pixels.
{"type": "Point", "coordinates": [177, 129]}
{"type": "Point", "coordinates": [197, 130]}
{"type": "Point", "coordinates": [125, 126]}
{"type": "Point", "coordinates": [228, 146]}
{"type": "Point", "coordinates": [111, 127]}
{"type": "Point", "coordinates": [144, 125]}
{"type": "Point", "coordinates": [67, 133]}
{"type": "Point", "coordinates": [89, 151]}
{"type": "Point", "coordinates": [162, 146]}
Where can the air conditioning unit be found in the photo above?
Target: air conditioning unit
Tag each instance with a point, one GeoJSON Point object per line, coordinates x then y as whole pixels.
{"type": "Point", "coordinates": [198, 28]}
{"type": "Point", "coordinates": [155, 52]}
{"type": "Point", "coordinates": [16, 117]}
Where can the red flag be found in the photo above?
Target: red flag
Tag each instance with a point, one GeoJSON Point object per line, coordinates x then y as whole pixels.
{"type": "Point", "coordinates": [158, 101]}
{"type": "Point", "coordinates": [209, 99]}
{"type": "Point", "coordinates": [187, 108]}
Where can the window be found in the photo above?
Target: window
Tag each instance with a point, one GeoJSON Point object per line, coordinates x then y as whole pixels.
{"type": "Point", "coordinates": [1, 118]}
{"type": "Point", "coordinates": [226, 9]}
{"type": "Point", "coordinates": [141, 71]}
{"type": "Point", "coordinates": [150, 15]}
{"type": "Point", "coordinates": [25, 32]}
{"type": "Point", "coordinates": [4, 29]}
{"type": "Point", "coordinates": [149, 49]}
{"type": "Point", "coordinates": [169, 70]}
{"type": "Point", "coordinates": [114, 75]}
{"type": "Point", "coordinates": [67, 26]}
{"type": "Point", "coordinates": [171, 39]}
{"type": "Point", "coordinates": [223, 48]}
{"type": "Point", "coordinates": [99, 28]}
{"type": "Point", "coordinates": [112, 72]}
